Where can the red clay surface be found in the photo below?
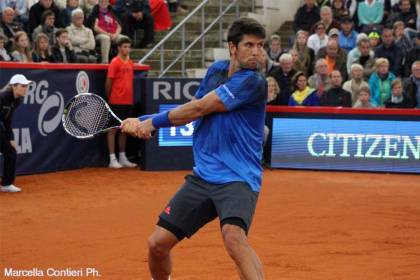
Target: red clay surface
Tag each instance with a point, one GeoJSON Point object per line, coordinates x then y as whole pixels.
{"type": "Point", "coordinates": [308, 225]}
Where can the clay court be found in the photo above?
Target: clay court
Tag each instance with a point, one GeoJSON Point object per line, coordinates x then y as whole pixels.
{"type": "Point", "coordinates": [308, 225]}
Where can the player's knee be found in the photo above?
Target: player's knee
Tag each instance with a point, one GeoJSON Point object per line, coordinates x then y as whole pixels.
{"type": "Point", "coordinates": [234, 242]}
{"type": "Point", "coordinates": [157, 248]}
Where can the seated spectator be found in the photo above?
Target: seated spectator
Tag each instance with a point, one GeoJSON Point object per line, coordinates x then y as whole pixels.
{"type": "Point", "coordinates": [306, 16]}
{"type": "Point", "coordinates": [306, 55]}
{"type": "Point", "coordinates": [348, 37]}
{"type": "Point", "coordinates": [275, 51]}
{"type": "Point", "coordinates": [390, 51]}
{"type": "Point", "coordinates": [327, 19]}
{"type": "Point", "coordinates": [87, 6]}
{"type": "Point", "coordinates": [266, 64]}
{"type": "Point", "coordinates": [319, 39]}
{"type": "Point", "coordinates": [42, 49]}
{"type": "Point", "coordinates": [62, 51]}
{"type": "Point", "coordinates": [65, 15]}
{"type": "Point", "coordinates": [161, 16]}
{"type": "Point", "coordinates": [406, 15]}
{"type": "Point", "coordinates": [47, 27]}
{"type": "Point", "coordinates": [81, 38]}
{"type": "Point", "coordinates": [22, 49]}
{"type": "Point", "coordinates": [412, 56]}
{"type": "Point", "coordinates": [370, 14]}
{"type": "Point", "coordinates": [9, 26]}
{"type": "Point", "coordinates": [339, 10]}
{"type": "Point", "coordinates": [336, 96]}
{"type": "Point", "coordinates": [333, 60]}
{"type": "Point", "coordinates": [401, 41]}
{"type": "Point", "coordinates": [20, 9]}
{"type": "Point", "coordinates": [398, 99]}
{"type": "Point", "coordinates": [136, 15]}
{"type": "Point", "coordinates": [412, 85]}
{"type": "Point", "coordinates": [273, 89]}
{"type": "Point", "coordinates": [353, 86]}
{"type": "Point", "coordinates": [303, 95]}
{"type": "Point", "coordinates": [363, 100]}
{"type": "Point", "coordinates": [4, 54]}
{"type": "Point", "coordinates": [283, 75]}
{"type": "Point", "coordinates": [320, 80]}
{"type": "Point", "coordinates": [374, 39]}
{"type": "Point", "coordinates": [380, 83]}
{"type": "Point", "coordinates": [295, 57]}
{"type": "Point", "coordinates": [105, 26]}
{"type": "Point", "coordinates": [362, 55]}
{"type": "Point", "coordinates": [36, 11]}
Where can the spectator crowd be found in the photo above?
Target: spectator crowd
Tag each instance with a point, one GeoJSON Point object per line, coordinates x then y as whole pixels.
{"type": "Point", "coordinates": [77, 31]}
{"type": "Point", "coordinates": [348, 53]}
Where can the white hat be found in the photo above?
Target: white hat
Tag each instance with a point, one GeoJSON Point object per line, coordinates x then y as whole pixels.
{"type": "Point", "coordinates": [19, 79]}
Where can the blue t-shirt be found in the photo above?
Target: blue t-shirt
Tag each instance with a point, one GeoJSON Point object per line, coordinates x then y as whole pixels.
{"type": "Point", "coordinates": [228, 146]}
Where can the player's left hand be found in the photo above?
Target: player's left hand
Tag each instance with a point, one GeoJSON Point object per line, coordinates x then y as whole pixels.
{"type": "Point", "coordinates": [138, 129]}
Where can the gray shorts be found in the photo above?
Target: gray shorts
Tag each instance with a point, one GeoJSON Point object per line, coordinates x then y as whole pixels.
{"type": "Point", "coordinates": [198, 202]}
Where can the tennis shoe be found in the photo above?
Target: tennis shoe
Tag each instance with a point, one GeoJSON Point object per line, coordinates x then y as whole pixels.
{"type": "Point", "coordinates": [124, 162]}
{"type": "Point", "coordinates": [114, 164]}
{"type": "Point", "coordinates": [10, 188]}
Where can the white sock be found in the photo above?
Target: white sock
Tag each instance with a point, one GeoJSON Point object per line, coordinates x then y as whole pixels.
{"type": "Point", "coordinates": [112, 157]}
{"type": "Point", "coordinates": [122, 155]}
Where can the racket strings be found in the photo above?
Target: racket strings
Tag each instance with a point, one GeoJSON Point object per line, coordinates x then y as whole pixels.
{"type": "Point", "coordinates": [86, 116]}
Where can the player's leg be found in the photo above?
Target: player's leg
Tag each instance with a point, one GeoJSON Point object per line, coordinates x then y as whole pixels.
{"type": "Point", "coordinates": [160, 244]}
{"type": "Point", "coordinates": [247, 262]}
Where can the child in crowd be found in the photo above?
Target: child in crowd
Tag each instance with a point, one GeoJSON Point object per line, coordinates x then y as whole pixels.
{"type": "Point", "coordinates": [4, 55]}
{"type": "Point", "coordinates": [42, 50]}
{"type": "Point", "coordinates": [398, 99]}
{"type": "Point", "coordinates": [363, 99]}
{"type": "Point", "coordinates": [22, 49]}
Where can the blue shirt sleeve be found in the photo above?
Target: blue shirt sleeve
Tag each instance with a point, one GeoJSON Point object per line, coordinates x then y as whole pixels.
{"type": "Point", "coordinates": [243, 87]}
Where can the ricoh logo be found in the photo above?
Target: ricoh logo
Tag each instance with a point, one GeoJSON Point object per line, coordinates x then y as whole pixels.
{"type": "Point", "coordinates": [374, 146]}
{"type": "Point", "coordinates": [174, 90]}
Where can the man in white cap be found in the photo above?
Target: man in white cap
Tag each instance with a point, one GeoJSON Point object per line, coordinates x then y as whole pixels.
{"type": "Point", "coordinates": [9, 99]}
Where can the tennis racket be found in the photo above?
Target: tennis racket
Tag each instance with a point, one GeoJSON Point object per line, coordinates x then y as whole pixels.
{"type": "Point", "coordinates": [87, 115]}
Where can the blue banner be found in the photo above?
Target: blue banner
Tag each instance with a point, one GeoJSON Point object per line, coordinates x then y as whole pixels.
{"type": "Point", "coordinates": [338, 144]}
{"type": "Point", "coordinates": [42, 144]}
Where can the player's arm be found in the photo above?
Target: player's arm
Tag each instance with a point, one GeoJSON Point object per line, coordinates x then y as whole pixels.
{"type": "Point", "coordinates": [108, 86]}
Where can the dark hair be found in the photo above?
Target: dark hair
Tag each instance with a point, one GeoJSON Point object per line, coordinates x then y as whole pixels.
{"type": "Point", "coordinates": [295, 79]}
{"type": "Point", "coordinates": [60, 31]}
{"type": "Point", "coordinates": [123, 40]}
{"type": "Point", "coordinates": [244, 26]}
{"type": "Point", "coordinates": [46, 14]}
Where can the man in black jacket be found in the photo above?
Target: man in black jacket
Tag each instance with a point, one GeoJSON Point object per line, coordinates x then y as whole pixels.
{"type": "Point", "coordinates": [336, 96]}
{"type": "Point", "coordinates": [35, 13]}
{"type": "Point", "coordinates": [390, 51]}
{"type": "Point", "coordinates": [306, 16]}
{"type": "Point", "coordinates": [9, 100]}
{"type": "Point", "coordinates": [412, 85]}
{"type": "Point", "coordinates": [283, 75]}
{"type": "Point", "coordinates": [62, 52]}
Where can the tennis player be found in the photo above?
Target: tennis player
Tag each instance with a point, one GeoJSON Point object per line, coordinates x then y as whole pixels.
{"type": "Point", "coordinates": [10, 97]}
{"type": "Point", "coordinates": [229, 112]}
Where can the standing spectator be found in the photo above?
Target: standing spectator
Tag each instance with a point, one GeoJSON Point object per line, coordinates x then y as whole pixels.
{"type": "Point", "coordinates": [353, 86]}
{"type": "Point", "coordinates": [370, 14]}
{"type": "Point", "coordinates": [327, 19]}
{"type": "Point", "coordinates": [401, 41]}
{"type": "Point", "coordinates": [362, 55]}
{"type": "Point", "coordinates": [42, 49]}
{"type": "Point", "coordinates": [119, 91]}
{"type": "Point", "coordinates": [306, 16]}
{"type": "Point", "coordinates": [305, 55]}
{"type": "Point", "coordinates": [62, 51]}
{"type": "Point", "coordinates": [412, 85]}
{"type": "Point", "coordinates": [106, 27]}
{"type": "Point", "coordinates": [81, 38]}
{"type": "Point", "coordinates": [137, 16]}
{"type": "Point", "coordinates": [65, 15]}
{"type": "Point", "coordinates": [336, 96]}
{"type": "Point", "coordinates": [333, 60]}
{"type": "Point", "coordinates": [348, 36]}
{"type": "Point", "coordinates": [47, 27]}
{"type": "Point", "coordinates": [36, 11]}
{"type": "Point", "coordinates": [9, 100]}
{"type": "Point", "coordinates": [275, 51]}
{"type": "Point", "coordinates": [303, 95]}
{"type": "Point", "coordinates": [10, 26]}
{"type": "Point", "coordinates": [22, 49]}
{"type": "Point", "coordinates": [320, 80]}
{"type": "Point", "coordinates": [363, 101]}
{"type": "Point", "coordinates": [380, 83]}
{"type": "Point", "coordinates": [390, 51]}
{"type": "Point", "coordinates": [20, 9]}
{"type": "Point", "coordinates": [412, 56]}
{"type": "Point", "coordinates": [398, 98]}
{"type": "Point", "coordinates": [319, 39]}
{"type": "Point", "coordinates": [283, 75]}
{"type": "Point", "coordinates": [4, 54]}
